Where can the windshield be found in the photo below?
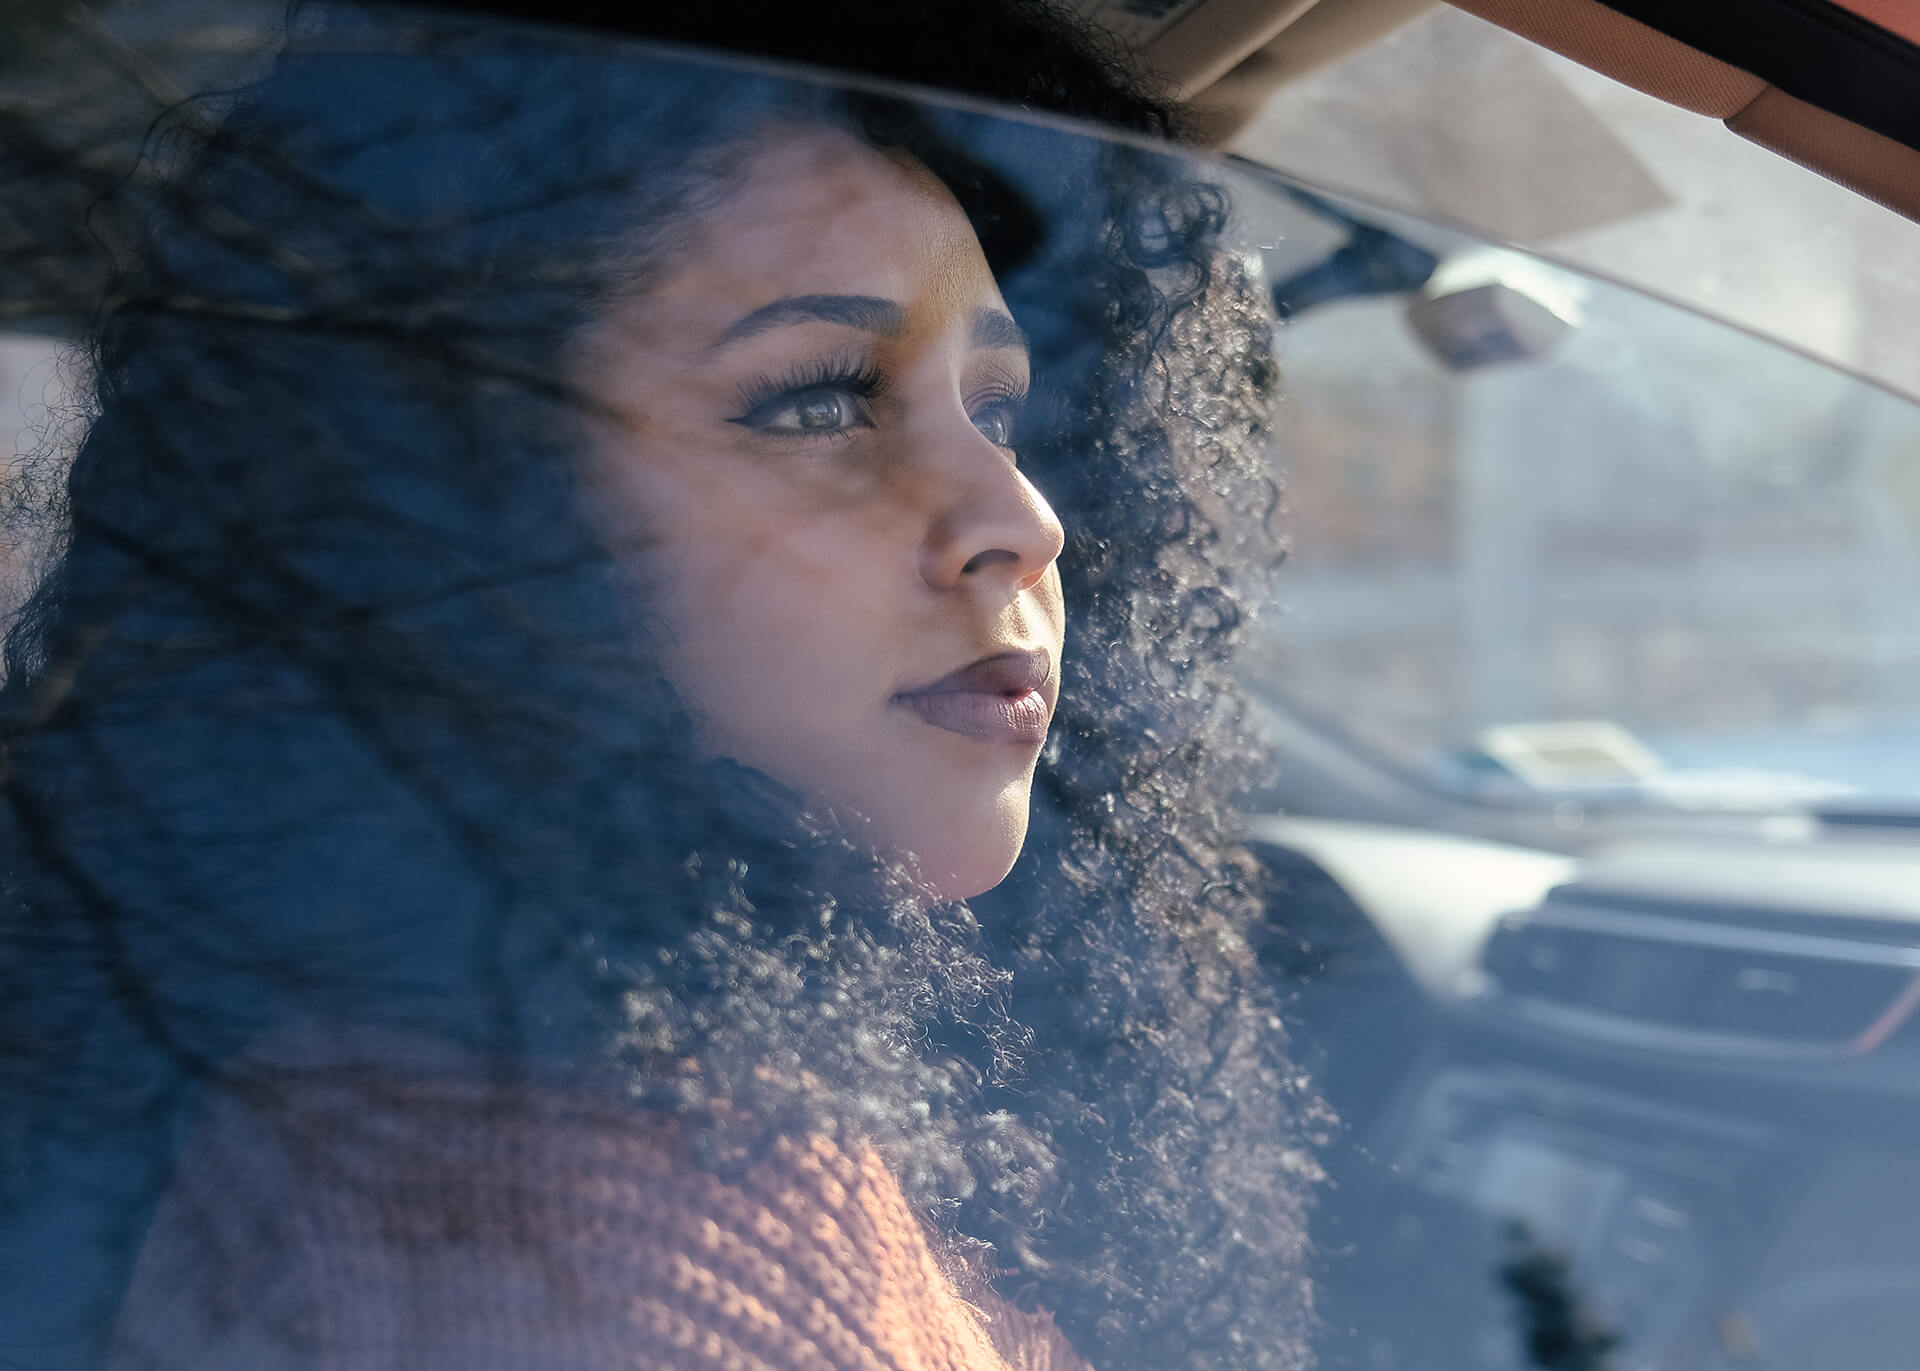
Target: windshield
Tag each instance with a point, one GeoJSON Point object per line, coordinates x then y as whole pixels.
{"type": "Point", "coordinates": [1666, 549]}
{"type": "Point", "coordinates": [666, 711]}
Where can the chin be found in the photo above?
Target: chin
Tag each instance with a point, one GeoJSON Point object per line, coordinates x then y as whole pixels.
{"type": "Point", "coordinates": [960, 872]}
{"type": "Point", "coordinates": [975, 879]}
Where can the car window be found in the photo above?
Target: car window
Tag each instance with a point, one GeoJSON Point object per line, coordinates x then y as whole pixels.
{"type": "Point", "coordinates": [662, 709]}
{"type": "Point", "coordinates": [1698, 534]}
{"type": "Point", "coordinates": [1659, 560]}
{"type": "Point", "coordinates": [1491, 131]}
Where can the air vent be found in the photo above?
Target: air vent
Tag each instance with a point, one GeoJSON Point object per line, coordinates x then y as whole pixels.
{"type": "Point", "coordinates": [1662, 981]}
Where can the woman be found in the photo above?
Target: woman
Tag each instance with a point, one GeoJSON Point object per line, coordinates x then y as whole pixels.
{"type": "Point", "coordinates": [554, 634]}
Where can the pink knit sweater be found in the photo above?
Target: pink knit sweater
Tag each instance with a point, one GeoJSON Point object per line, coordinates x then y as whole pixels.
{"type": "Point", "coordinates": [360, 1221]}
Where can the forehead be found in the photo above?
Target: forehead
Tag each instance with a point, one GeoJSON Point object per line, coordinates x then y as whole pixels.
{"type": "Point", "coordinates": [821, 212]}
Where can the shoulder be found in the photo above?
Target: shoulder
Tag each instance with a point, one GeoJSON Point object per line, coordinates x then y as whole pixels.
{"type": "Point", "coordinates": [352, 1217]}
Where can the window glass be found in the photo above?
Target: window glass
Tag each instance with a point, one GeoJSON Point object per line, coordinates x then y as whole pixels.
{"type": "Point", "coordinates": [664, 711]}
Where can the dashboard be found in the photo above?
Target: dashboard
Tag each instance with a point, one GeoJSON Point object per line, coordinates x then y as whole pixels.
{"type": "Point", "coordinates": [1652, 1106]}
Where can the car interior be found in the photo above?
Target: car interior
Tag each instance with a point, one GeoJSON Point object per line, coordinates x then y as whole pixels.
{"type": "Point", "coordinates": [1624, 1081]}
{"type": "Point", "coordinates": [1592, 842]}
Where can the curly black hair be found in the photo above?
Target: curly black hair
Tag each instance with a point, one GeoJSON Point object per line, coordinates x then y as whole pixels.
{"type": "Point", "coordinates": [330, 710]}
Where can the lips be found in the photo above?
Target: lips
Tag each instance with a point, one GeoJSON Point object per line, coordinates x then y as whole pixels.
{"type": "Point", "coordinates": [1005, 698]}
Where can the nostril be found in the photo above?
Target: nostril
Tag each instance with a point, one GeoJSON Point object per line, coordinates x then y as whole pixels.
{"type": "Point", "coordinates": [980, 561]}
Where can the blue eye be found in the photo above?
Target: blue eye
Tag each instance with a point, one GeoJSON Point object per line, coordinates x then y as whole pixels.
{"type": "Point", "coordinates": [996, 424]}
{"type": "Point", "coordinates": [815, 411]}
{"type": "Point", "coordinates": [818, 400]}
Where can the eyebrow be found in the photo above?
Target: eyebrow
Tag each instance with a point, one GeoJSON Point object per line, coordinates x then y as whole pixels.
{"type": "Point", "coordinates": [993, 328]}
{"type": "Point", "coordinates": [869, 313]}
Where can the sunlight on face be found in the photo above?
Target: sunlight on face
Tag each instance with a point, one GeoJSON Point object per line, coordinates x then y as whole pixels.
{"type": "Point", "coordinates": [814, 464]}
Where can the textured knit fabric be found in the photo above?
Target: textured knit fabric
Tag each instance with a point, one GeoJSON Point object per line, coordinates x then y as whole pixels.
{"type": "Point", "coordinates": [349, 1223]}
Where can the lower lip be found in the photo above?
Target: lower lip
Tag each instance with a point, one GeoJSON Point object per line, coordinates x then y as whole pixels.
{"type": "Point", "coordinates": [990, 717]}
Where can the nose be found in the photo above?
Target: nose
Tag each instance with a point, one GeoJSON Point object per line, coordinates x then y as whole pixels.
{"type": "Point", "coordinates": [991, 527]}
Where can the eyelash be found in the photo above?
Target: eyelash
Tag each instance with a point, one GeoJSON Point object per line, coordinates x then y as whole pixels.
{"type": "Point", "coordinates": [759, 397]}
{"type": "Point", "coordinates": [864, 380]}
{"type": "Point", "coordinates": [1005, 399]}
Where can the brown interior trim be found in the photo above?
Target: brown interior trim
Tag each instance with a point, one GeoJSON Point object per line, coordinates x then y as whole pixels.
{"type": "Point", "coordinates": [1627, 50]}
{"type": "Point", "coordinates": [1899, 17]}
{"type": "Point", "coordinates": [1815, 50]}
{"type": "Point", "coordinates": [1872, 164]}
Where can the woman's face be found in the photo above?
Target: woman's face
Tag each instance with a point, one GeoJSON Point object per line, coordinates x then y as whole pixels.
{"type": "Point", "coordinates": [812, 470]}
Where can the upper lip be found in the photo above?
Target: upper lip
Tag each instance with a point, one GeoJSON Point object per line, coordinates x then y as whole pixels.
{"type": "Point", "coordinates": [1012, 672]}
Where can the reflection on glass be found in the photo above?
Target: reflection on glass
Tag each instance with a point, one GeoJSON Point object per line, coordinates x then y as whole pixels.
{"type": "Point", "coordinates": [627, 754]}
{"type": "Point", "coordinates": [660, 720]}
{"type": "Point", "coordinates": [1592, 684]}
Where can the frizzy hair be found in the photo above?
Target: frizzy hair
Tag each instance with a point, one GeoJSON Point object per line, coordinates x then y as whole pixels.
{"type": "Point", "coordinates": [331, 708]}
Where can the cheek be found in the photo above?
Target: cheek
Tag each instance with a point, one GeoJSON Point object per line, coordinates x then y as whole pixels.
{"type": "Point", "coordinates": [1053, 604]}
{"type": "Point", "coordinates": [728, 567]}
{"type": "Point", "coordinates": [781, 601]}
{"type": "Point", "coordinates": [692, 541]}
